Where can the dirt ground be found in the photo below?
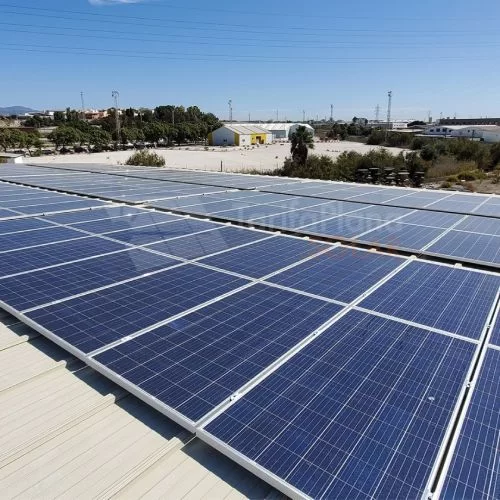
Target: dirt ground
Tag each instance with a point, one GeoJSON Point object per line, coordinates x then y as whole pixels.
{"type": "Point", "coordinates": [234, 159]}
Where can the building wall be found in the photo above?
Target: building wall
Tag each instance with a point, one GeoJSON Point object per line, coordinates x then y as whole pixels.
{"type": "Point", "coordinates": [223, 137]}
{"type": "Point", "coordinates": [491, 136]}
{"type": "Point", "coordinates": [469, 121]}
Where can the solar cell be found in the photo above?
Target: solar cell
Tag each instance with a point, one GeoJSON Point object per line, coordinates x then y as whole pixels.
{"type": "Point", "coordinates": [341, 274]}
{"type": "Point", "coordinates": [470, 246]}
{"type": "Point", "coordinates": [59, 207]}
{"type": "Point", "coordinates": [42, 287]}
{"type": "Point", "coordinates": [495, 335]}
{"type": "Point", "coordinates": [198, 361]}
{"type": "Point", "coordinates": [36, 237]}
{"type": "Point", "coordinates": [19, 261]}
{"type": "Point", "coordinates": [382, 213]}
{"type": "Point", "coordinates": [213, 207]}
{"type": "Point", "coordinates": [91, 321]}
{"type": "Point", "coordinates": [443, 297]}
{"type": "Point", "coordinates": [267, 256]}
{"type": "Point", "coordinates": [160, 232]}
{"type": "Point", "coordinates": [343, 226]}
{"type": "Point", "coordinates": [486, 225]}
{"type": "Point", "coordinates": [487, 208]}
{"type": "Point", "coordinates": [94, 214]}
{"type": "Point", "coordinates": [474, 470]}
{"type": "Point", "coordinates": [293, 220]}
{"type": "Point", "coordinates": [402, 235]}
{"type": "Point", "coordinates": [432, 219]}
{"type": "Point", "coordinates": [355, 414]}
{"type": "Point", "coordinates": [209, 242]}
{"type": "Point", "coordinates": [250, 213]}
{"type": "Point", "coordinates": [16, 225]}
{"type": "Point", "coordinates": [6, 214]}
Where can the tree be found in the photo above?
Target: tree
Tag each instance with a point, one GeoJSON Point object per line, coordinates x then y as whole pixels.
{"type": "Point", "coordinates": [64, 136]}
{"type": "Point", "coordinates": [301, 141]}
{"type": "Point", "coordinates": [98, 138]}
{"type": "Point", "coordinates": [429, 153]}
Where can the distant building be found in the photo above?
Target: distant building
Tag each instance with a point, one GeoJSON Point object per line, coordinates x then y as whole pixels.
{"type": "Point", "coordinates": [469, 121]}
{"type": "Point", "coordinates": [392, 125]}
{"type": "Point", "coordinates": [486, 133]}
{"type": "Point", "coordinates": [239, 135]}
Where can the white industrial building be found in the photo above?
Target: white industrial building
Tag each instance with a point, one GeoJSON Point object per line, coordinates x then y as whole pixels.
{"type": "Point", "coordinates": [486, 133]}
{"type": "Point", "coordinates": [239, 134]}
{"type": "Point", "coordinates": [282, 131]}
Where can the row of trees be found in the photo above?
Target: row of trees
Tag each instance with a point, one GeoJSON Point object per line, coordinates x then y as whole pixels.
{"type": "Point", "coordinates": [18, 139]}
{"type": "Point", "coordinates": [92, 137]}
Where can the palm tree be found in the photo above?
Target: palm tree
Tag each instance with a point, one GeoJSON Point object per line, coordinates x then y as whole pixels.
{"type": "Point", "coordinates": [302, 140]}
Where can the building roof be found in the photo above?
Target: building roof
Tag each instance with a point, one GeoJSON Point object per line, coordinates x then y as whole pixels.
{"type": "Point", "coordinates": [67, 430]}
{"type": "Point", "coordinates": [245, 129]}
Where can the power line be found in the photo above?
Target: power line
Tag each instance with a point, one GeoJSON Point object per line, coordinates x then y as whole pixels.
{"type": "Point", "coordinates": [221, 26]}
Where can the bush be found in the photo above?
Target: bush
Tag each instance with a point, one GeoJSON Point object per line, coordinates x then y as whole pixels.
{"type": "Point", "coordinates": [429, 153]}
{"type": "Point", "coordinates": [146, 158]}
{"type": "Point", "coordinates": [452, 178]}
{"type": "Point", "coordinates": [446, 185]}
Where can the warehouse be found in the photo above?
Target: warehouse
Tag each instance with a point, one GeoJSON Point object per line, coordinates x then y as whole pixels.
{"type": "Point", "coordinates": [282, 131]}
{"type": "Point", "coordinates": [239, 135]}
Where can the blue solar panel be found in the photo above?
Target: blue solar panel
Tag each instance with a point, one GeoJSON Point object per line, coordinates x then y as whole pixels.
{"type": "Point", "coordinates": [358, 413]}
{"type": "Point", "coordinates": [94, 214]}
{"type": "Point", "coordinates": [495, 334]}
{"type": "Point", "coordinates": [249, 213]}
{"type": "Point", "coordinates": [16, 225]}
{"type": "Point", "coordinates": [37, 237]}
{"type": "Point", "coordinates": [165, 231]}
{"type": "Point", "coordinates": [471, 246]}
{"type": "Point", "coordinates": [432, 219]}
{"type": "Point", "coordinates": [202, 244]}
{"type": "Point", "coordinates": [94, 320]}
{"type": "Point", "coordinates": [5, 214]}
{"type": "Point", "coordinates": [38, 199]}
{"type": "Point", "coordinates": [293, 220]}
{"type": "Point", "coordinates": [488, 208]}
{"type": "Point", "coordinates": [486, 225]}
{"type": "Point", "coordinates": [34, 258]}
{"type": "Point", "coordinates": [343, 227]}
{"type": "Point", "coordinates": [341, 274]}
{"type": "Point", "coordinates": [340, 207]}
{"type": "Point", "coordinates": [475, 467]}
{"type": "Point", "coordinates": [59, 207]}
{"type": "Point", "coordinates": [41, 287]}
{"type": "Point", "coordinates": [127, 222]}
{"type": "Point", "coordinates": [265, 257]}
{"type": "Point", "coordinates": [382, 213]}
{"type": "Point", "coordinates": [213, 207]}
{"type": "Point", "coordinates": [196, 362]}
{"type": "Point", "coordinates": [401, 235]}
{"type": "Point", "coordinates": [443, 297]}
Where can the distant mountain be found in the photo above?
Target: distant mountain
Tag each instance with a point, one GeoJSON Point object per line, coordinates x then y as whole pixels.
{"type": "Point", "coordinates": [15, 110]}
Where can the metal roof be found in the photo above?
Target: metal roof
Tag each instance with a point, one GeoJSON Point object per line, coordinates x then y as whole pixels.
{"type": "Point", "coordinates": [245, 129]}
{"type": "Point", "coordinates": [67, 431]}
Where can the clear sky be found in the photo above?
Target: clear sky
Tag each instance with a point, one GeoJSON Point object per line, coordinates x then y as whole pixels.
{"type": "Point", "coordinates": [290, 56]}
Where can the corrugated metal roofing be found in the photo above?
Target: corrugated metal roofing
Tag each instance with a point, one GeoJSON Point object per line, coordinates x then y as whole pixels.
{"type": "Point", "coordinates": [246, 129]}
{"type": "Point", "coordinates": [67, 431]}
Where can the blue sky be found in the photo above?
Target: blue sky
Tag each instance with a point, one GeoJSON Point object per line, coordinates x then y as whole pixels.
{"type": "Point", "coordinates": [266, 56]}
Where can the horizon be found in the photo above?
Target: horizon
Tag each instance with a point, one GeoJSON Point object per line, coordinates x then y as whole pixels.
{"type": "Point", "coordinates": [215, 54]}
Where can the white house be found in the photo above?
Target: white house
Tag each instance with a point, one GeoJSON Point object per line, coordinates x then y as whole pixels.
{"type": "Point", "coordinates": [486, 133]}
{"type": "Point", "coordinates": [11, 158]}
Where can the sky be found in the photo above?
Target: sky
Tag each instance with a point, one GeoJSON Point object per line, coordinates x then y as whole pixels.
{"type": "Point", "coordinates": [272, 59]}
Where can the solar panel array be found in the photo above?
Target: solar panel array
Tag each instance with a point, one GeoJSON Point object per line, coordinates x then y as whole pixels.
{"type": "Point", "coordinates": [327, 370]}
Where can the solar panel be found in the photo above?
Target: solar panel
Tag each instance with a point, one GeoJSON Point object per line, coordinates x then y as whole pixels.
{"type": "Point", "coordinates": [59, 207]}
{"type": "Point", "coordinates": [354, 414]}
{"type": "Point", "coordinates": [293, 220]}
{"type": "Point", "coordinates": [198, 361]}
{"type": "Point", "coordinates": [163, 231]}
{"type": "Point", "coordinates": [432, 219]}
{"type": "Point", "coordinates": [6, 214]}
{"type": "Point", "coordinates": [342, 274]}
{"type": "Point", "coordinates": [447, 298]}
{"type": "Point", "coordinates": [265, 257]}
{"type": "Point", "coordinates": [495, 335]}
{"type": "Point", "coordinates": [91, 321]}
{"type": "Point", "coordinates": [382, 213]}
{"type": "Point", "coordinates": [34, 289]}
{"type": "Point", "coordinates": [250, 213]}
{"type": "Point", "coordinates": [486, 225]}
{"type": "Point", "coordinates": [401, 235]}
{"type": "Point", "coordinates": [470, 246]}
{"type": "Point", "coordinates": [17, 225]}
{"type": "Point", "coordinates": [94, 214]}
{"type": "Point", "coordinates": [208, 242]}
{"type": "Point", "coordinates": [211, 207]}
{"type": "Point", "coordinates": [474, 469]}
{"type": "Point", "coordinates": [19, 261]}
{"type": "Point", "coordinates": [37, 237]}
{"type": "Point", "coordinates": [343, 227]}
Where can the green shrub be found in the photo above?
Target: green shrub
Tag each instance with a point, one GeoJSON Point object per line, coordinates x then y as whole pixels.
{"type": "Point", "coordinates": [147, 159]}
{"type": "Point", "coordinates": [446, 185]}
{"type": "Point", "coordinates": [452, 178]}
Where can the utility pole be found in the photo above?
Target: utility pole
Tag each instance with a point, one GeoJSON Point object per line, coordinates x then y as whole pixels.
{"type": "Point", "coordinates": [389, 108]}
{"type": "Point", "coordinates": [377, 113]}
{"type": "Point", "coordinates": [173, 115]}
{"type": "Point", "coordinates": [331, 112]}
{"type": "Point", "coordinates": [230, 103]}
{"type": "Point", "coordinates": [115, 95]}
{"type": "Point", "coordinates": [249, 117]}
{"type": "Point", "coordinates": [303, 115]}
{"type": "Point", "coordinates": [83, 105]}
{"type": "Point", "coordinates": [277, 115]}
